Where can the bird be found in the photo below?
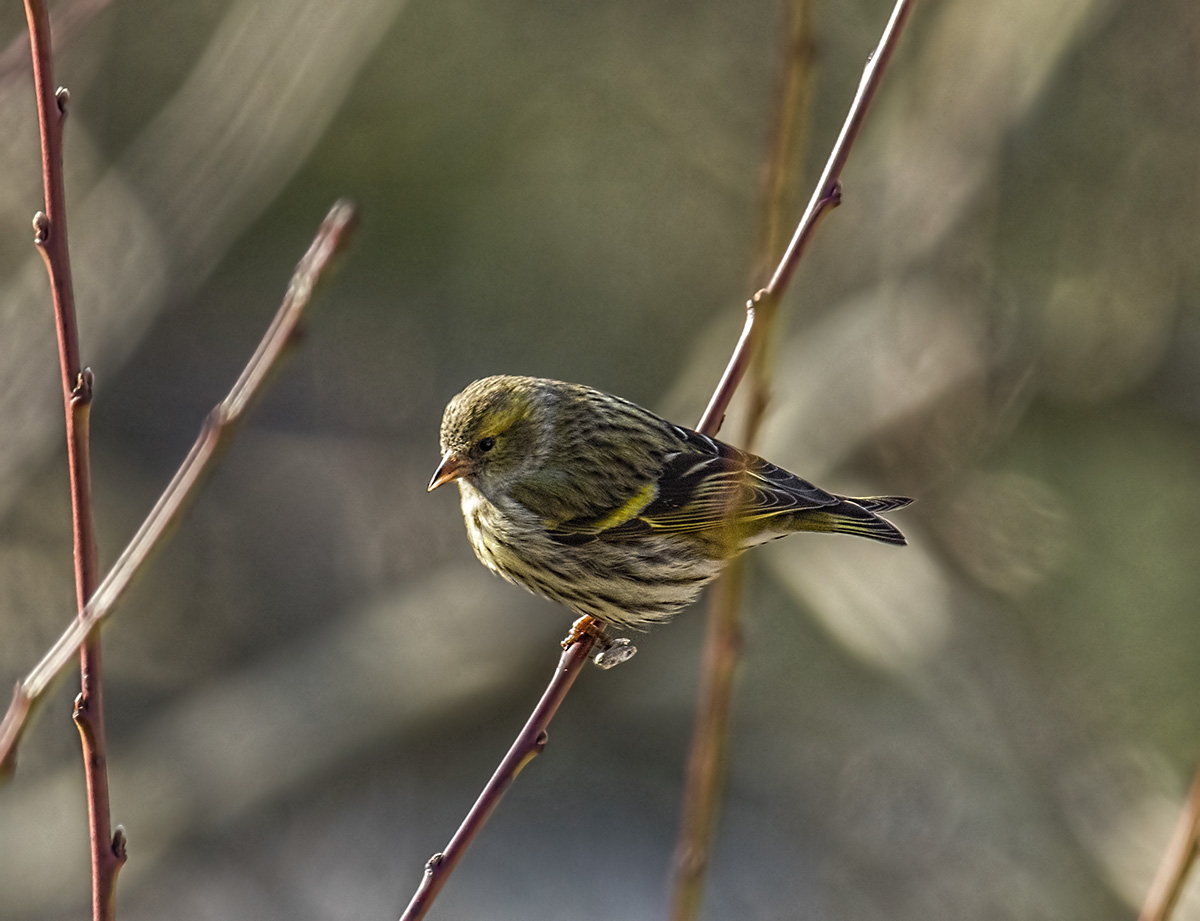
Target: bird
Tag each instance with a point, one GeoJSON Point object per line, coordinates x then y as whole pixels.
{"type": "Point", "coordinates": [605, 507]}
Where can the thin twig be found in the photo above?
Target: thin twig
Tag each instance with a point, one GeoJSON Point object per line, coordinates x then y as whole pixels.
{"type": "Point", "coordinates": [70, 18]}
{"type": "Point", "coordinates": [826, 195]}
{"type": "Point", "coordinates": [708, 755]}
{"type": "Point", "coordinates": [50, 236]}
{"type": "Point", "coordinates": [528, 745]}
{"type": "Point", "coordinates": [215, 435]}
{"type": "Point", "coordinates": [1177, 862]}
{"type": "Point", "coordinates": [709, 750]}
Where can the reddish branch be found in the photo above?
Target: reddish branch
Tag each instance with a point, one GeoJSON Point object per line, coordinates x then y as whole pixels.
{"type": "Point", "coordinates": [50, 235]}
{"type": "Point", "coordinates": [71, 17]}
{"type": "Point", "coordinates": [708, 756]}
{"type": "Point", "coordinates": [827, 195]}
{"type": "Point", "coordinates": [527, 746]}
{"type": "Point", "coordinates": [216, 434]}
{"type": "Point", "coordinates": [723, 643]}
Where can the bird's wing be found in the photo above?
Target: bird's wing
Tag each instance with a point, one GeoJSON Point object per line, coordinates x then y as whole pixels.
{"type": "Point", "coordinates": [705, 484]}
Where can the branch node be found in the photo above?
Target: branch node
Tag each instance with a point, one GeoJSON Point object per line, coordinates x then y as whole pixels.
{"type": "Point", "coordinates": [41, 228]}
{"type": "Point", "coordinates": [690, 861]}
{"type": "Point", "coordinates": [81, 393]}
{"type": "Point", "coordinates": [62, 96]}
{"type": "Point", "coordinates": [120, 844]}
{"type": "Point", "coordinates": [332, 236]}
{"type": "Point", "coordinates": [79, 713]}
{"type": "Point", "coordinates": [82, 716]}
{"type": "Point", "coordinates": [539, 744]}
{"type": "Point", "coordinates": [434, 862]}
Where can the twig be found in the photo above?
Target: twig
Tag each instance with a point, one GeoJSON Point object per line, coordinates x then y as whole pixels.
{"type": "Point", "coordinates": [528, 745]}
{"type": "Point", "coordinates": [50, 236]}
{"type": "Point", "coordinates": [216, 433]}
{"type": "Point", "coordinates": [826, 195]}
{"type": "Point", "coordinates": [708, 755]}
{"type": "Point", "coordinates": [70, 17]}
{"type": "Point", "coordinates": [709, 750]}
{"type": "Point", "coordinates": [1177, 861]}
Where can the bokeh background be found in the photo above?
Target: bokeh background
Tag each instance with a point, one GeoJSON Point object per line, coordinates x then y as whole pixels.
{"type": "Point", "coordinates": [310, 686]}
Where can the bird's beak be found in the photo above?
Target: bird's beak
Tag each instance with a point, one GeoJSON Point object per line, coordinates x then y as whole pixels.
{"type": "Point", "coordinates": [452, 467]}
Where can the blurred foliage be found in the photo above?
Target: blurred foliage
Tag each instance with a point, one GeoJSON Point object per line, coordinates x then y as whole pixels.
{"type": "Point", "coordinates": [316, 678]}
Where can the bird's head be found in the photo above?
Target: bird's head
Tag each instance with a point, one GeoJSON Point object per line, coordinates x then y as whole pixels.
{"type": "Point", "coordinates": [491, 433]}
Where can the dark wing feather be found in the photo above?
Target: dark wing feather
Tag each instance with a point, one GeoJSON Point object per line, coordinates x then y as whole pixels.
{"type": "Point", "coordinates": [697, 488]}
{"type": "Point", "coordinates": [878, 504]}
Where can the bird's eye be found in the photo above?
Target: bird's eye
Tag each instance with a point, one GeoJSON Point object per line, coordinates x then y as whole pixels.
{"type": "Point", "coordinates": [486, 444]}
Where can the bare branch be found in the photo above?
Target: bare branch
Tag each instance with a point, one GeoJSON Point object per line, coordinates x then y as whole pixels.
{"type": "Point", "coordinates": [50, 237]}
{"type": "Point", "coordinates": [528, 745]}
{"type": "Point", "coordinates": [1177, 862]}
{"type": "Point", "coordinates": [70, 18]}
{"type": "Point", "coordinates": [708, 754]}
{"type": "Point", "coordinates": [216, 434]}
{"type": "Point", "coordinates": [826, 195]}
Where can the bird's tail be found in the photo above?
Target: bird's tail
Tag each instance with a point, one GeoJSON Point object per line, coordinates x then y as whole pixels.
{"type": "Point", "coordinates": [879, 504]}
{"type": "Point", "coordinates": [858, 516]}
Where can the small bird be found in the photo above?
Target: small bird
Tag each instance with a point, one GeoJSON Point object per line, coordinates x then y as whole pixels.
{"type": "Point", "coordinates": [601, 505]}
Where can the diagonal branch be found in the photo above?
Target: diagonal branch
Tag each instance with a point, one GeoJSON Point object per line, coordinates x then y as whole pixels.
{"type": "Point", "coordinates": [218, 430]}
{"type": "Point", "coordinates": [826, 196]}
{"type": "Point", "coordinates": [1177, 862]}
{"type": "Point", "coordinates": [527, 745]}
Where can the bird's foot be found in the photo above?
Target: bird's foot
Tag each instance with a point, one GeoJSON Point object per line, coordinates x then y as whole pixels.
{"type": "Point", "coordinates": [585, 626]}
{"type": "Point", "coordinates": [614, 652]}
{"type": "Point", "coordinates": [610, 652]}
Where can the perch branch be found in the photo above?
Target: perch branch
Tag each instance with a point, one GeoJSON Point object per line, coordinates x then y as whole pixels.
{"type": "Point", "coordinates": [1177, 862]}
{"type": "Point", "coordinates": [528, 745]}
{"type": "Point", "coordinates": [215, 435]}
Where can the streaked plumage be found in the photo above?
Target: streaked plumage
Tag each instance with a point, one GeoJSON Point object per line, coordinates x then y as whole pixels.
{"type": "Point", "coordinates": [599, 504]}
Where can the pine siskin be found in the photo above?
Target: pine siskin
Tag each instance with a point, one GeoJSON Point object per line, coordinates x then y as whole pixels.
{"type": "Point", "coordinates": [616, 513]}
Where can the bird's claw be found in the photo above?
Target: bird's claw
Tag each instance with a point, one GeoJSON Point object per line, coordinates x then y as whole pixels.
{"type": "Point", "coordinates": [614, 652]}
{"type": "Point", "coordinates": [585, 626]}
{"type": "Point", "coordinates": [609, 652]}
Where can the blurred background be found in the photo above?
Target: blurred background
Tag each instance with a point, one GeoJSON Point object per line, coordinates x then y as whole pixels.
{"type": "Point", "coordinates": [314, 680]}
